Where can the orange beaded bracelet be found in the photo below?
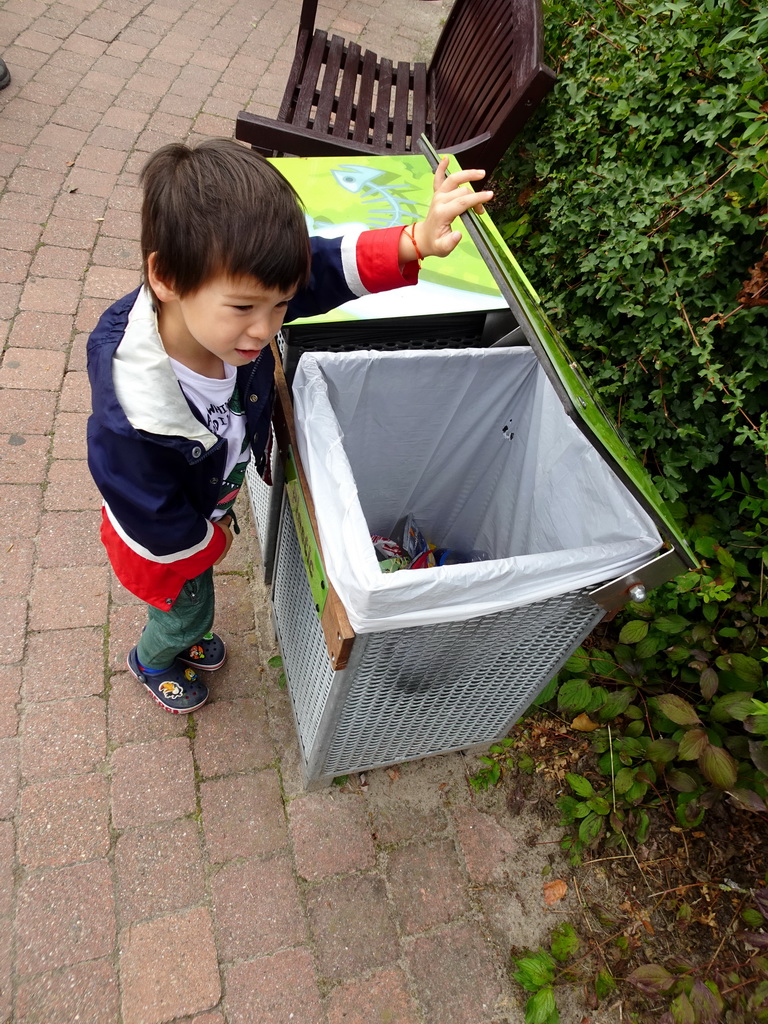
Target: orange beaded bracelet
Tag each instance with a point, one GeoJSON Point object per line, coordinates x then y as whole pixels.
{"type": "Point", "coordinates": [412, 237]}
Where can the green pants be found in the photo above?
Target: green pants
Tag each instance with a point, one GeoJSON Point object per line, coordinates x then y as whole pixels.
{"type": "Point", "coordinates": [169, 633]}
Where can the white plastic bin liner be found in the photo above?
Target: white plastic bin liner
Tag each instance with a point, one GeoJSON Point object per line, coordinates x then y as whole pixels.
{"type": "Point", "coordinates": [476, 444]}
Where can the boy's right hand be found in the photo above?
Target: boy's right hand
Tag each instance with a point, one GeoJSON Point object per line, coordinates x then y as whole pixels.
{"type": "Point", "coordinates": [224, 523]}
{"type": "Point", "coordinates": [452, 196]}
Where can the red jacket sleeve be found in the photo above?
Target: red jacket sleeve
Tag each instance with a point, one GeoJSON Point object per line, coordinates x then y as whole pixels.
{"type": "Point", "coordinates": [378, 263]}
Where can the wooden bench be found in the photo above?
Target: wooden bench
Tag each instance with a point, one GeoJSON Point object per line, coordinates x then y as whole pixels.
{"type": "Point", "coordinates": [484, 81]}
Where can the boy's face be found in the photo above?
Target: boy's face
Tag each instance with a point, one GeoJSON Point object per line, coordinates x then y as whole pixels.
{"type": "Point", "coordinates": [230, 319]}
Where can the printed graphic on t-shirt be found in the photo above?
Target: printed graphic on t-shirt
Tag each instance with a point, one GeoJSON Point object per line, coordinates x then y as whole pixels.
{"type": "Point", "coordinates": [217, 417]}
{"type": "Point", "coordinates": [234, 480]}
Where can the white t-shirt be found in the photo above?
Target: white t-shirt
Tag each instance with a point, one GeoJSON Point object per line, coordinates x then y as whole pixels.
{"type": "Point", "coordinates": [218, 402]}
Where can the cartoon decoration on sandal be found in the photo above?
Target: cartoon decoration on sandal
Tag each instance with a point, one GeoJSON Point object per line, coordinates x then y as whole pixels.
{"type": "Point", "coordinates": [171, 690]}
{"type": "Point", "coordinates": [196, 652]}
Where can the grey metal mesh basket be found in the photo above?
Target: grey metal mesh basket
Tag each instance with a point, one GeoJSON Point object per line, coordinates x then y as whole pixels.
{"type": "Point", "coordinates": [414, 692]}
{"type": "Point", "coordinates": [265, 507]}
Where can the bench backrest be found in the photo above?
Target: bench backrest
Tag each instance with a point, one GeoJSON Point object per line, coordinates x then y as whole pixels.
{"type": "Point", "coordinates": [487, 71]}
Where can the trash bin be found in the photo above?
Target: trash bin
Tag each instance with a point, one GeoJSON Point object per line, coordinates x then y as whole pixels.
{"type": "Point", "coordinates": [456, 304]}
{"type": "Point", "coordinates": [502, 448]}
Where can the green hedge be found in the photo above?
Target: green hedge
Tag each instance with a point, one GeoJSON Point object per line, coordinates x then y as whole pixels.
{"type": "Point", "coordinates": [636, 201]}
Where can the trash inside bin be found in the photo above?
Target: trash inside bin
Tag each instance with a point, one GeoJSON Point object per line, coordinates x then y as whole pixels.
{"type": "Point", "coordinates": [476, 445]}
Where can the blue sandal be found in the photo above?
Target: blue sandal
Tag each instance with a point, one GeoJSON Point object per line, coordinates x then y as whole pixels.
{"type": "Point", "coordinates": [208, 654]}
{"type": "Point", "coordinates": [177, 689]}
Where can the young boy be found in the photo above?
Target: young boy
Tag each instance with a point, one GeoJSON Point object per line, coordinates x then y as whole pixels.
{"type": "Point", "coordinates": [182, 374]}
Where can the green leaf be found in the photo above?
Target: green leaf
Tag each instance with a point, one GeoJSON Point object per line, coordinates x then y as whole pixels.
{"type": "Point", "coordinates": [676, 709]}
{"type": "Point", "coordinates": [633, 631]}
{"type": "Point", "coordinates": [615, 705]}
{"type": "Point", "coordinates": [718, 767]}
{"type": "Point", "coordinates": [597, 698]}
{"type": "Point", "coordinates": [692, 744]}
{"type": "Point", "coordinates": [541, 1007]}
{"type": "Point", "coordinates": [678, 652]}
{"type": "Point", "coordinates": [636, 792]}
{"type": "Point", "coordinates": [735, 706]}
{"type": "Point", "coordinates": [590, 828]}
{"type": "Point", "coordinates": [710, 612]}
{"type": "Point", "coordinates": [534, 970]}
{"type": "Point", "coordinates": [661, 751]}
{"type": "Point", "coordinates": [687, 582]}
{"type": "Point", "coordinates": [706, 547]}
{"type": "Point", "coordinates": [625, 778]}
{"type": "Point", "coordinates": [605, 984]}
{"type": "Point", "coordinates": [547, 693]}
{"type": "Point", "coordinates": [599, 805]}
{"type": "Point", "coordinates": [682, 782]}
{"type": "Point", "coordinates": [708, 683]}
{"type": "Point", "coordinates": [602, 663]}
{"type": "Point", "coordinates": [649, 646]}
{"type": "Point", "coordinates": [568, 805]}
{"type": "Point", "coordinates": [748, 669]}
{"type": "Point", "coordinates": [752, 918]}
{"type": "Point", "coordinates": [651, 979]}
{"type": "Point", "coordinates": [578, 661]}
{"type": "Point", "coordinates": [757, 724]}
{"type": "Point", "coordinates": [681, 1010]}
{"type": "Point", "coordinates": [629, 747]}
{"type": "Point", "coordinates": [275, 662]}
{"type": "Point", "coordinates": [643, 826]}
{"type": "Point", "coordinates": [574, 695]}
{"type": "Point", "coordinates": [724, 557]}
{"type": "Point", "coordinates": [565, 942]}
{"type": "Point", "coordinates": [579, 785]}
{"type": "Point", "coordinates": [671, 623]}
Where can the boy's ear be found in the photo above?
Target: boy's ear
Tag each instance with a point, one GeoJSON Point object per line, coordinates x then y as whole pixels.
{"type": "Point", "coordinates": [162, 290]}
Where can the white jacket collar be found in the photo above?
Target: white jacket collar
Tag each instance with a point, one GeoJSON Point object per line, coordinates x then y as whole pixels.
{"type": "Point", "coordinates": [145, 383]}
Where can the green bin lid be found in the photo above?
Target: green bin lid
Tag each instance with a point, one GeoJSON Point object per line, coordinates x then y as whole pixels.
{"type": "Point", "coordinates": [579, 399]}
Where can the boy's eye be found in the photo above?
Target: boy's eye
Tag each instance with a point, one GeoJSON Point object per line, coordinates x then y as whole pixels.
{"type": "Point", "coordinates": [243, 309]}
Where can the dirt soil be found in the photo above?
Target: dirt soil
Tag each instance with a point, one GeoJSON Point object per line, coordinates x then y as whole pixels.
{"type": "Point", "coordinates": [676, 900]}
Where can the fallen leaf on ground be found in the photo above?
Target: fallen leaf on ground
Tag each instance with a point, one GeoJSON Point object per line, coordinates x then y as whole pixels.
{"type": "Point", "coordinates": [583, 723]}
{"type": "Point", "coordinates": [554, 891]}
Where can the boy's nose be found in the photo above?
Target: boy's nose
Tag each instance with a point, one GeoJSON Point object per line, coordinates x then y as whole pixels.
{"type": "Point", "coordinates": [260, 329]}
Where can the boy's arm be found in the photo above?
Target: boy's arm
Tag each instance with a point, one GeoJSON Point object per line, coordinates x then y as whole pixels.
{"type": "Point", "coordinates": [349, 267]}
{"type": "Point", "coordinates": [374, 261]}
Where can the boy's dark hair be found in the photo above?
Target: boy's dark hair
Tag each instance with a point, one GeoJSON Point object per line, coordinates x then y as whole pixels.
{"type": "Point", "coordinates": [220, 208]}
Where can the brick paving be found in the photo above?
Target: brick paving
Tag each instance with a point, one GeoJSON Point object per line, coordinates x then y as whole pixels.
{"type": "Point", "coordinates": [155, 868]}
